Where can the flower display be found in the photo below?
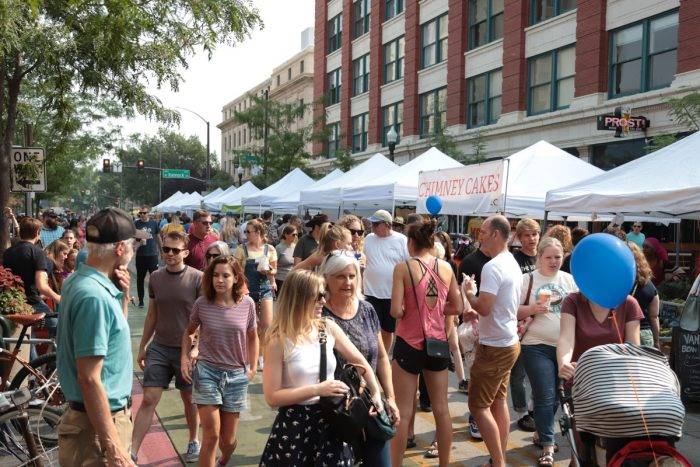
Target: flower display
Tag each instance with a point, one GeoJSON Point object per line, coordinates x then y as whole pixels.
{"type": "Point", "coordinates": [12, 298]}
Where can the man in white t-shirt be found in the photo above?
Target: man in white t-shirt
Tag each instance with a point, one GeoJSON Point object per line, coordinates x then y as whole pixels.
{"type": "Point", "coordinates": [384, 249]}
{"type": "Point", "coordinates": [497, 306]}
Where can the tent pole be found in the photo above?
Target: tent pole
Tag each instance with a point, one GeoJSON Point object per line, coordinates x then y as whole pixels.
{"type": "Point", "coordinates": [543, 228]}
{"type": "Point", "coordinates": [505, 194]}
{"type": "Point", "coordinates": [678, 244]}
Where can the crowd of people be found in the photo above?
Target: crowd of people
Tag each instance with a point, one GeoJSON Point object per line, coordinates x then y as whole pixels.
{"type": "Point", "coordinates": [227, 299]}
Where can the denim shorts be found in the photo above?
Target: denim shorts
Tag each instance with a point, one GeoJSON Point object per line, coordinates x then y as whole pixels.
{"type": "Point", "coordinates": [217, 386]}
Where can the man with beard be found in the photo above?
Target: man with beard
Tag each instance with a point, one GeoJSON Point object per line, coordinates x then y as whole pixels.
{"type": "Point", "coordinates": [201, 236]}
{"type": "Point", "coordinates": [51, 230]}
{"type": "Point", "coordinates": [94, 356]}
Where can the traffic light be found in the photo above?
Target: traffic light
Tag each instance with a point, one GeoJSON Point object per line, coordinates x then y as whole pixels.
{"type": "Point", "coordinates": [106, 165]}
{"type": "Point", "coordinates": [140, 166]}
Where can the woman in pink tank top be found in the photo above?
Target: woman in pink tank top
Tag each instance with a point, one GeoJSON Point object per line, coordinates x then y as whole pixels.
{"type": "Point", "coordinates": [424, 291]}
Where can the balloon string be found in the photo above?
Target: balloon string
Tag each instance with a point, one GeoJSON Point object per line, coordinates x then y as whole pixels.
{"type": "Point", "coordinates": [634, 390]}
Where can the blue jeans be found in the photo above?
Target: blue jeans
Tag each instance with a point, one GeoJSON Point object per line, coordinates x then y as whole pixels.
{"type": "Point", "coordinates": [541, 367]}
{"type": "Point", "coordinates": [518, 391]}
{"type": "Point", "coordinates": [374, 452]}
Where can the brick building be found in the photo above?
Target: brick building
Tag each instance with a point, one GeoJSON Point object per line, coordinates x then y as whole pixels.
{"type": "Point", "coordinates": [511, 71]}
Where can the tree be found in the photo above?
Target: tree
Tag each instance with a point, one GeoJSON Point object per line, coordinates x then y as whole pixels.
{"type": "Point", "coordinates": [108, 49]}
{"type": "Point", "coordinates": [446, 143]}
{"type": "Point", "coordinates": [343, 160]}
{"type": "Point", "coordinates": [478, 150]}
{"type": "Point", "coordinates": [283, 149]}
{"type": "Point", "coordinates": [685, 111]}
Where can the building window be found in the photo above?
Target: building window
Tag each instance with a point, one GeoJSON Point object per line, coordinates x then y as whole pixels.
{"type": "Point", "coordinates": [485, 22]}
{"type": "Point", "coordinates": [393, 8]}
{"type": "Point", "coordinates": [289, 74]}
{"type": "Point", "coordinates": [334, 87]}
{"type": "Point", "coordinates": [545, 9]}
{"type": "Point", "coordinates": [361, 10]}
{"type": "Point", "coordinates": [643, 56]}
{"type": "Point", "coordinates": [360, 75]}
{"type": "Point", "coordinates": [335, 33]}
{"type": "Point", "coordinates": [393, 60]}
{"type": "Point", "coordinates": [434, 41]}
{"type": "Point", "coordinates": [278, 80]}
{"type": "Point", "coordinates": [484, 99]}
{"type": "Point", "coordinates": [333, 139]}
{"type": "Point", "coordinates": [392, 116]}
{"type": "Point", "coordinates": [433, 115]}
{"type": "Point", "coordinates": [551, 80]}
{"type": "Point", "coordinates": [245, 138]}
{"type": "Point", "coordinates": [301, 67]}
{"type": "Point", "coordinates": [359, 132]}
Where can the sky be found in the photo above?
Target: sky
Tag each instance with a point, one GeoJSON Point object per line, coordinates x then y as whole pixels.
{"type": "Point", "coordinates": [209, 84]}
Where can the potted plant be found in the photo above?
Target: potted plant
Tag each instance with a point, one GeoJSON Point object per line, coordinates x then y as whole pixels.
{"type": "Point", "coordinates": [12, 298]}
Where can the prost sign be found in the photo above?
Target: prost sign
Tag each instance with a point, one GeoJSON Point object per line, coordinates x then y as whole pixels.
{"type": "Point", "coordinates": [27, 169]}
{"type": "Point", "coordinates": [472, 189]}
{"type": "Point", "coordinates": [622, 122]}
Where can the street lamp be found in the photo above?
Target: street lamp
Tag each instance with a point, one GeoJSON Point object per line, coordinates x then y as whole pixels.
{"type": "Point", "coordinates": [239, 171]}
{"type": "Point", "coordinates": [208, 152]}
{"type": "Point", "coordinates": [391, 138]}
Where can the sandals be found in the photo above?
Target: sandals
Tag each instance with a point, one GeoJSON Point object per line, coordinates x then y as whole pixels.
{"type": "Point", "coordinates": [546, 460]}
{"type": "Point", "coordinates": [432, 451]}
{"type": "Point", "coordinates": [536, 441]}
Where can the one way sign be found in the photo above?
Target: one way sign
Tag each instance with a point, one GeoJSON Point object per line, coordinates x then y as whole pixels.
{"type": "Point", "coordinates": [28, 169]}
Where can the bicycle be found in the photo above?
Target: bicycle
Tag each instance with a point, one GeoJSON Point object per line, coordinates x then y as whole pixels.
{"type": "Point", "coordinates": [35, 373]}
{"type": "Point", "coordinates": [28, 434]}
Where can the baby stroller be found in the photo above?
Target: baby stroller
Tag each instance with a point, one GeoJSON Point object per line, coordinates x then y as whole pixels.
{"type": "Point", "coordinates": [628, 411]}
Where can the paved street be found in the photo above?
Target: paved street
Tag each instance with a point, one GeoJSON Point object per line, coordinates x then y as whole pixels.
{"type": "Point", "coordinates": [255, 424]}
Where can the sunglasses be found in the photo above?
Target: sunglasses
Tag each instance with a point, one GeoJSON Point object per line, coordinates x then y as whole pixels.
{"type": "Point", "coordinates": [358, 232]}
{"type": "Point", "coordinates": [321, 296]}
{"type": "Point", "coordinates": [176, 251]}
{"type": "Point", "coordinates": [205, 222]}
{"type": "Point", "coordinates": [637, 226]}
{"type": "Point", "coordinates": [212, 255]}
{"type": "Point", "coordinates": [142, 213]}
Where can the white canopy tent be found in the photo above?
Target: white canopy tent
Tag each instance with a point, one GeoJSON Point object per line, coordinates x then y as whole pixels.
{"type": "Point", "coordinates": [519, 185]}
{"type": "Point", "coordinates": [174, 203]}
{"type": "Point", "coordinates": [209, 202]}
{"type": "Point", "coordinates": [290, 183]}
{"type": "Point", "coordinates": [230, 200]}
{"type": "Point", "coordinates": [400, 186]}
{"type": "Point", "coordinates": [330, 194]}
{"type": "Point", "coordinates": [665, 183]}
{"type": "Point", "coordinates": [159, 206]}
{"type": "Point", "coordinates": [194, 205]}
{"type": "Point", "coordinates": [185, 203]}
{"type": "Point", "coordinates": [290, 203]}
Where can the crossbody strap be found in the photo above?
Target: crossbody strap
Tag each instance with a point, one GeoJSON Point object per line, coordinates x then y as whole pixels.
{"type": "Point", "coordinates": [529, 289]}
{"type": "Point", "coordinates": [415, 295]}
{"type": "Point", "coordinates": [322, 343]}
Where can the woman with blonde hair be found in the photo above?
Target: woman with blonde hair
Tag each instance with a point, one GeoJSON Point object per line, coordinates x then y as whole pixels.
{"type": "Point", "coordinates": [648, 298]}
{"type": "Point", "coordinates": [357, 234]}
{"type": "Point", "coordinates": [334, 237]}
{"type": "Point", "coordinates": [230, 233]}
{"type": "Point", "coordinates": [301, 435]}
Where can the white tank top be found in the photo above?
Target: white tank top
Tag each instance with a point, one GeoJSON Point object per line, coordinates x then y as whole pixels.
{"type": "Point", "coordinates": [301, 367]}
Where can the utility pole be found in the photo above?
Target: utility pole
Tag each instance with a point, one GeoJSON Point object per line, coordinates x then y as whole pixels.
{"type": "Point", "coordinates": [160, 176]}
{"type": "Point", "coordinates": [208, 160]}
{"type": "Point", "coordinates": [267, 96]}
{"type": "Point", "coordinates": [28, 142]}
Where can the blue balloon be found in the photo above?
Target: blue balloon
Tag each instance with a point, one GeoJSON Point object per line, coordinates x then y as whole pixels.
{"type": "Point", "coordinates": [433, 204]}
{"type": "Point", "coordinates": [604, 269]}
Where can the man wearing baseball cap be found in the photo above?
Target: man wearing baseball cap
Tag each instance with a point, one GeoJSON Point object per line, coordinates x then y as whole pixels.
{"type": "Point", "coordinates": [384, 249]}
{"type": "Point", "coordinates": [94, 347]}
{"type": "Point", "coordinates": [308, 243]}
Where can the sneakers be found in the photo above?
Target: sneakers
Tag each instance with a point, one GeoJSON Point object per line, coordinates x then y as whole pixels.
{"type": "Point", "coordinates": [141, 305]}
{"type": "Point", "coordinates": [463, 386]}
{"type": "Point", "coordinates": [527, 423]}
{"type": "Point", "coordinates": [192, 451]}
{"type": "Point", "coordinates": [474, 429]}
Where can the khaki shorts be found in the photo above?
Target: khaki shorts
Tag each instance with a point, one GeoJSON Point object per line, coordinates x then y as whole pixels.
{"type": "Point", "coordinates": [78, 445]}
{"type": "Point", "coordinates": [490, 374]}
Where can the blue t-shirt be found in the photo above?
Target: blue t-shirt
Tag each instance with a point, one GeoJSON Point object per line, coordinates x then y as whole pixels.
{"type": "Point", "coordinates": [637, 238]}
{"type": "Point", "coordinates": [49, 236]}
{"type": "Point", "coordinates": [150, 248]}
{"type": "Point", "coordinates": [92, 324]}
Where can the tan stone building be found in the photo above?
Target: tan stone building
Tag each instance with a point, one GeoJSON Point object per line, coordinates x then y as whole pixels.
{"type": "Point", "coordinates": [291, 81]}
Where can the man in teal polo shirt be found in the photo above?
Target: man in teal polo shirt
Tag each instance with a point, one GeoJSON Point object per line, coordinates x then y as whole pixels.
{"type": "Point", "coordinates": [94, 347]}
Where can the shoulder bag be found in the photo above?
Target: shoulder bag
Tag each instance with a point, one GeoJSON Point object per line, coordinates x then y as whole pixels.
{"type": "Point", "coordinates": [347, 415]}
{"type": "Point", "coordinates": [433, 347]}
{"type": "Point", "coordinates": [523, 324]}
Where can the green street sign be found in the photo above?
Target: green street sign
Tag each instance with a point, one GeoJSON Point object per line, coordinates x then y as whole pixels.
{"type": "Point", "coordinates": [176, 173]}
{"type": "Point", "coordinates": [251, 158]}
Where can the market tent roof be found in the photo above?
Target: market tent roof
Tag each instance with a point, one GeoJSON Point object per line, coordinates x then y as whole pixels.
{"type": "Point", "coordinates": [187, 203]}
{"type": "Point", "coordinates": [231, 197]}
{"type": "Point", "coordinates": [293, 181]}
{"type": "Point", "coordinates": [330, 194]}
{"type": "Point", "coordinates": [399, 186]}
{"type": "Point", "coordinates": [197, 204]}
{"type": "Point", "coordinates": [159, 206]}
{"type": "Point", "coordinates": [665, 183]}
{"type": "Point", "coordinates": [290, 203]}
{"type": "Point", "coordinates": [174, 202]}
{"type": "Point", "coordinates": [208, 203]}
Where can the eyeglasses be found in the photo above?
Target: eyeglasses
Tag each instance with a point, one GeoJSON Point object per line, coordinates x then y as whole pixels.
{"type": "Point", "coordinates": [358, 232]}
{"type": "Point", "coordinates": [637, 226]}
{"type": "Point", "coordinates": [321, 297]}
{"type": "Point", "coordinates": [212, 255]}
{"type": "Point", "coordinates": [142, 213]}
{"type": "Point", "coordinates": [205, 222]}
{"type": "Point", "coordinates": [167, 249]}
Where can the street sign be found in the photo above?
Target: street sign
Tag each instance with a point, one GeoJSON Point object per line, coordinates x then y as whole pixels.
{"type": "Point", "coordinates": [176, 173]}
{"type": "Point", "coordinates": [27, 169]}
{"type": "Point", "coordinates": [252, 158]}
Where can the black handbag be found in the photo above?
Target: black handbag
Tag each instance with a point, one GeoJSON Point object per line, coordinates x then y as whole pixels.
{"type": "Point", "coordinates": [380, 426]}
{"type": "Point", "coordinates": [433, 347]}
{"type": "Point", "coordinates": [347, 415]}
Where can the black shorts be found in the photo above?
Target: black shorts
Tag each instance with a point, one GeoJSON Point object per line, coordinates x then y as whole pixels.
{"type": "Point", "coordinates": [414, 361]}
{"type": "Point", "coordinates": [382, 306]}
{"type": "Point", "coordinates": [162, 363]}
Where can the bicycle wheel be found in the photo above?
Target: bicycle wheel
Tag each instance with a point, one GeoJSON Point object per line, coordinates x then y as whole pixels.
{"type": "Point", "coordinates": [44, 366]}
{"type": "Point", "coordinates": [42, 426]}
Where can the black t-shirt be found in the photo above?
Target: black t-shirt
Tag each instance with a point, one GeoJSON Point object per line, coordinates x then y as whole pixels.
{"type": "Point", "coordinates": [473, 263]}
{"type": "Point", "coordinates": [644, 295]}
{"type": "Point", "coordinates": [25, 259]}
{"type": "Point", "coordinates": [526, 262]}
{"type": "Point", "coordinates": [305, 247]}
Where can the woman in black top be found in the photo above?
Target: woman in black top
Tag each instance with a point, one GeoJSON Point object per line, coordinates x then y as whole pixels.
{"type": "Point", "coordinates": [648, 298]}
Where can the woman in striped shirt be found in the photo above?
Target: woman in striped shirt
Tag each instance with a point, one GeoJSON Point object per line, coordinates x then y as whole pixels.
{"type": "Point", "coordinates": [226, 359]}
